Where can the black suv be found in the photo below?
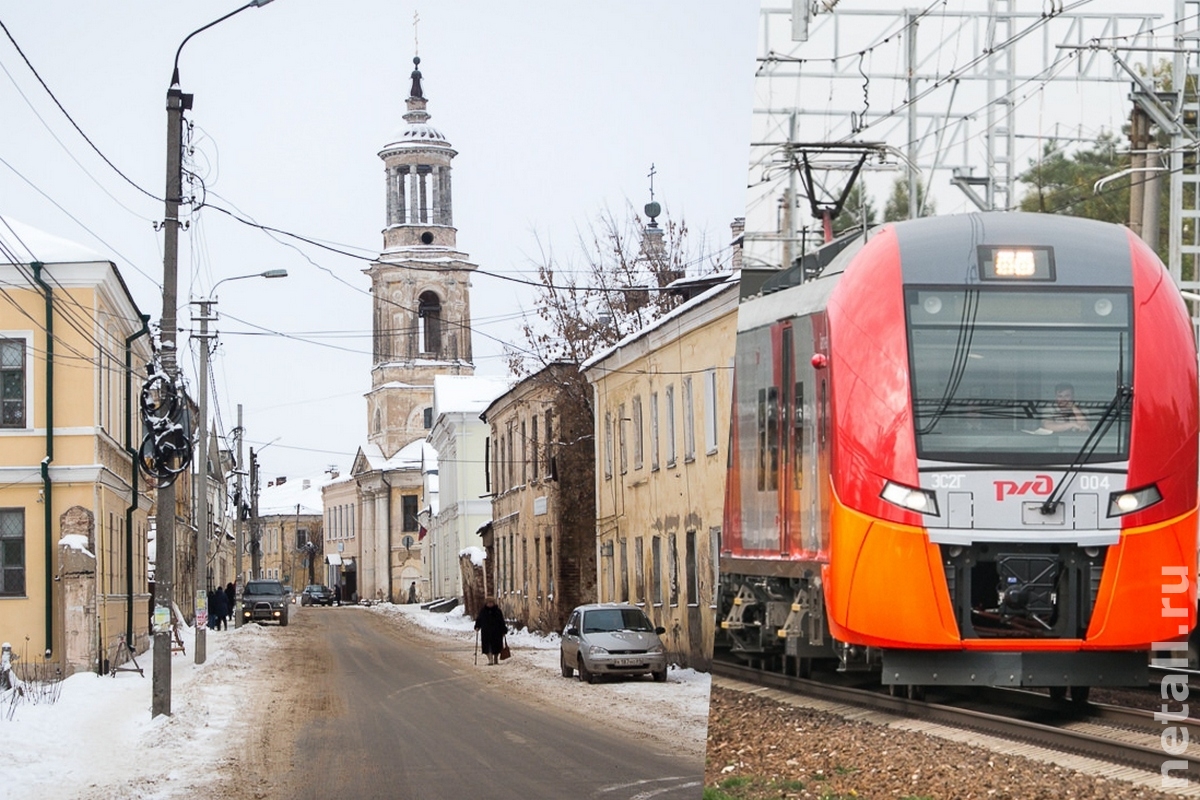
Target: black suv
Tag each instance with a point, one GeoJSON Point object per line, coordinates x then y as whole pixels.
{"type": "Point", "coordinates": [264, 601]}
{"type": "Point", "coordinates": [316, 595]}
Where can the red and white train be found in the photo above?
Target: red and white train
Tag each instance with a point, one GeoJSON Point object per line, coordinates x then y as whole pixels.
{"type": "Point", "coordinates": [966, 453]}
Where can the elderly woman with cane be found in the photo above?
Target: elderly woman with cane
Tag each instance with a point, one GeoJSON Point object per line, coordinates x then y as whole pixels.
{"type": "Point", "coordinates": [491, 628]}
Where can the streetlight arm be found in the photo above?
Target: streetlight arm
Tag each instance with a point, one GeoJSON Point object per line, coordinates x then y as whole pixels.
{"type": "Point", "coordinates": [175, 68]}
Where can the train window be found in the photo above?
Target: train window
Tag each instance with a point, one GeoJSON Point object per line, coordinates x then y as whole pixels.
{"type": "Point", "coordinates": [990, 369]}
{"type": "Point", "coordinates": [768, 439]}
{"type": "Point", "coordinates": [798, 435]}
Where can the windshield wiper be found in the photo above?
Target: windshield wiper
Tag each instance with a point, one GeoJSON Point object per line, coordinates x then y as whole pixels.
{"type": "Point", "coordinates": [1112, 412]}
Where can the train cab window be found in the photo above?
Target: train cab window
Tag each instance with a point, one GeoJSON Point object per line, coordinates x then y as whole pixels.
{"type": "Point", "coordinates": [987, 367]}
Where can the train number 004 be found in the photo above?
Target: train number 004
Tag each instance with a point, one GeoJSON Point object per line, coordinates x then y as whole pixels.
{"type": "Point", "coordinates": [1093, 482]}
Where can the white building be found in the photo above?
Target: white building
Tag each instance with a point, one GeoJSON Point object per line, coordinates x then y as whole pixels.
{"type": "Point", "coordinates": [463, 505]}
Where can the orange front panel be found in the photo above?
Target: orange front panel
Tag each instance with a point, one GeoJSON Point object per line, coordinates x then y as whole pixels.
{"type": "Point", "coordinates": [1129, 606]}
{"type": "Point", "coordinates": [884, 585]}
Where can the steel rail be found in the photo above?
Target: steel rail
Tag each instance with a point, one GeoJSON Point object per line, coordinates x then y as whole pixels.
{"type": "Point", "coordinates": [1051, 737]}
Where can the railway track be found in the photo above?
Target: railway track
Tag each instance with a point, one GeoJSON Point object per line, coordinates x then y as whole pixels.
{"type": "Point", "coordinates": [1128, 737]}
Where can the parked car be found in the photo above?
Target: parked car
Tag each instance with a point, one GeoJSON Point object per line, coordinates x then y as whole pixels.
{"type": "Point", "coordinates": [611, 639]}
{"type": "Point", "coordinates": [264, 601]}
{"type": "Point", "coordinates": [316, 594]}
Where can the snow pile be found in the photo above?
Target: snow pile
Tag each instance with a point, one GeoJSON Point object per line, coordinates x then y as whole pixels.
{"type": "Point", "coordinates": [477, 555]}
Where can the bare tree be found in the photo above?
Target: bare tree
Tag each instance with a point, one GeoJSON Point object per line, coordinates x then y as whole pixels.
{"type": "Point", "coordinates": [613, 288]}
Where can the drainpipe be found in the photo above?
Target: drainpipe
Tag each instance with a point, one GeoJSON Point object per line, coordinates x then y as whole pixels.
{"type": "Point", "coordinates": [133, 452]}
{"type": "Point", "coordinates": [47, 486]}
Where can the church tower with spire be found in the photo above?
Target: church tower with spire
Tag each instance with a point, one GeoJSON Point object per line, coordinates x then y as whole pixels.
{"type": "Point", "coordinates": [420, 283]}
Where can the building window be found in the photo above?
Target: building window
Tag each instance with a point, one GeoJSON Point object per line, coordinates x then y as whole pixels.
{"type": "Point", "coordinates": [429, 319]}
{"type": "Point", "coordinates": [637, 433]}
{"type": "Point", "coordinates": [549, 568]}
{"type": "Point", "coordinates": [670, 434]}
{"type": "Point", "coordinates": [12, 552]}
{"type": "Point", "coordinates": [524, 455]}
{"type": "Point", "coordinates": [533, 446]}
{"type": "Point", "coordinates": [621, 438]}
{"type": "Point", "coordinates": [654, 430]}
{"type": "Point", "coordinates": [427, 418]}
{"type": "Point", "coordinates": [408, 507]}
{"type": "Point", "coordinates": [710, 411]}
{"type": "Point", "coordinates": [692, 567]}
{"type": "Point", "coordinates": [549, 441]}
{"type": "Point", "coordinates": [537, 567]}
{"type": "Point", "coordinates": [624, 598]}
{"type": "Point", "coordinates": [501, 485]}
{"type": "Point", "coordinates": [512, 477]}
{"type": "Point", "coordinates": [689, 421]}
{"type": "Point", "coordinates": [608, 445]}
{"type": "Point", "coordinates": [673, 569]}
{"type": "Point", "coordinates": [301, 538]}
{"type": "Point", "coordinates": [12, 383]}
{"type": "Point", "coordinates": [656, 570]}
{"type": "Point", "coordinates": [639, 570]}
{"type": "Point", "coordinates": [715, 543]}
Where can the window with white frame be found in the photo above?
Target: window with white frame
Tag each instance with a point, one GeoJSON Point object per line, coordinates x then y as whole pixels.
{"type": "Point", "coordinates": [637, 433]}
{"type": "Point", "coordinates": [12, 552]}
{"type": "Point", "coordinates": [654, 430]}
{"type": "Point", "coordinates": [13, 386]}
{"type": "Point", "coordinates": [669, 400]}
{"type": "Point", "coordinates": [689, 421]}
{"type": "Point", "coordinates": [710, 411]}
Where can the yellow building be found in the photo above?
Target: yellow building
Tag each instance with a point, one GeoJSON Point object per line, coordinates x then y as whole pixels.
{"type": "Point", "coordinates": [662, 401]}
{"type": "Point", "coordinates": [73, 509]}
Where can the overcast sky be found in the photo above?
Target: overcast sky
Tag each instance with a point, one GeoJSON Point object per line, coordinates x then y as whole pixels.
{"type": "Point", "coordinates": [557, 109]}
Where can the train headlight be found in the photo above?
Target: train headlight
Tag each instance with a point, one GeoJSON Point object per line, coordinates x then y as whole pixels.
{"type": "Point", "coordinates": [1122, 503]}
{"type": "Point", "coordinates": [919, 500]}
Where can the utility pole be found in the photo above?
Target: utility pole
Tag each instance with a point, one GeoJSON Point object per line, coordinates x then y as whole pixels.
{"type": "Point", "coordinates": [255, 544]}
{"type": "Point", "coordinates": [164, 567]}
{"type": "Point", "coordinates": [237, 522]}
{"type": "Point", "coordinates": [914, 176]}
{"type": "Point", "coordinates": [201, 646]}
{"type": "Point", "coordinates": [164, 521]}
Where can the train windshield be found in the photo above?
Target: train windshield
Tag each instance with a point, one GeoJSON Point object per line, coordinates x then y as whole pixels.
{"type": "Point", "coordinates": [1020, 377]}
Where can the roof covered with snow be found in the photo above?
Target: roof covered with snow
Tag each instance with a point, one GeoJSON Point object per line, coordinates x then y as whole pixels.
{"type": "Point", "coordinates": [298, 494]}
{"type": "Point", "coordinates": [467, 394]}
{"type": "Point", "coordinates": [25, 244]}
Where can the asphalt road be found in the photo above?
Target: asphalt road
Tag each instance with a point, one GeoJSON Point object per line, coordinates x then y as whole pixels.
{"type": "Point", "coordinates": [381, 713]}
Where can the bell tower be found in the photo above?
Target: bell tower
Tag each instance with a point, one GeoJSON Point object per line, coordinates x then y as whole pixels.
{"type": "Point", "coordinates": [420, 283]}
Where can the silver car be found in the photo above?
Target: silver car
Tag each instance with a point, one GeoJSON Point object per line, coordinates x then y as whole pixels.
{"type": "Point", "coordinates": [611, 639]}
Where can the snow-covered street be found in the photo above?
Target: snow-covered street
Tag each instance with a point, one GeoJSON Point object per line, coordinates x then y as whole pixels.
{"type": "Point", "coordinates": [99, 741]}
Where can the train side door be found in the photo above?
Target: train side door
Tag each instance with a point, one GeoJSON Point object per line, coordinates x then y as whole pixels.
{"type": "Point", "coordinates": [789, 502]}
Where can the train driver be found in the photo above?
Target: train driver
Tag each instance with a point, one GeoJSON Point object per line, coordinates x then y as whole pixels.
{"type": "Point", "coordinates": [1065, 415]}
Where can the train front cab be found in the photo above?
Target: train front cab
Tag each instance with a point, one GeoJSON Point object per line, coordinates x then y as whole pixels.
{"type": "Point", "coordinates": [973, 541]}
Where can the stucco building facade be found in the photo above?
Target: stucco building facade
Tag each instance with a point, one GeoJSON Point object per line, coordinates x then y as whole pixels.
{"type": "Point", "coordinates": [662, 402]}
{"type": "Point", "coordinates": [73, 508]}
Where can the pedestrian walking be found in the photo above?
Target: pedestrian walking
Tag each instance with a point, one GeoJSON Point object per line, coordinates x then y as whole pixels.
{"type": "Point", "coordinates": [337, 594]}
{"type": "Point", "coordinates": [212, 610]}
{"type": "Point", "coordinates": [230, 599]}
{"type": "Point", "coordinates": [412, 592]}
{"type": "Point", "coordinates": [219, 613]}
{"type": "Point", "coordinates": [492, 628]}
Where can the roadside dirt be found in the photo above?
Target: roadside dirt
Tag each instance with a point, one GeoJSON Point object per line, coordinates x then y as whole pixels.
{"type": "Point", "coordinates": [262, 757]}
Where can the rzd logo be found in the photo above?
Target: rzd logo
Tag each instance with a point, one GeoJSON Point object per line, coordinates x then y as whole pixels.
{"type": "Point", "coordinates": [1041, 484]}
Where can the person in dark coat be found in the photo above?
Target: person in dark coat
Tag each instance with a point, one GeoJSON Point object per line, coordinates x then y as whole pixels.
{"type": "Point", "coordinates": [492, 627]}
{"type": "Point", "coordinates": [337, 594]}
{"type": "Point", "coordinates": [230, 600]}
{"type": "Point", "coordinates": [212, 610]}
{"type": "Point", "coordinates": [219, 611]}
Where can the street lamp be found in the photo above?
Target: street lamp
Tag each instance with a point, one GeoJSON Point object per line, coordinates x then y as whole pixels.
{"type": "Point", "coordinates": [164, 571]}
{"type": "Point", "coordinates": [205, 317]}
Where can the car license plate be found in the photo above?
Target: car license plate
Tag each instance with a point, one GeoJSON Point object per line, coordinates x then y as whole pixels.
{"type": "Point", "coordinates": [627, 662]}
